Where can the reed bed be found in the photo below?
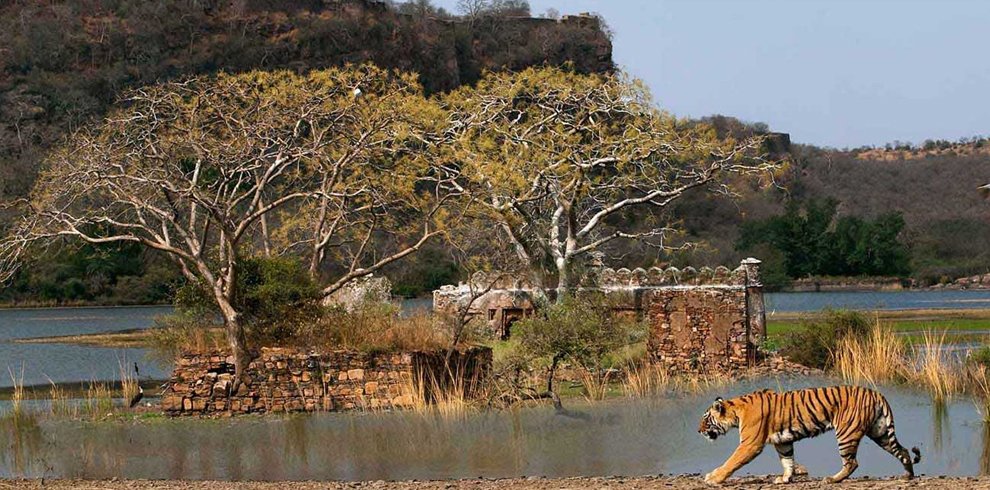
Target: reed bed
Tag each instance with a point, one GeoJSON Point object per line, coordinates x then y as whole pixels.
{"type": "Point", "coordinates": [882, 357]}
{"type": "Point", "coordinates": [879, 357]}
{"type": "Point", "coordinates": [99, 400]}
{"type": "Point", "coordinates": [446, 397]}
{"type": "Point", "coordinates": [646, 379]}
{"type": "Point", "coordinates": [58, 402]}
{"type": "Point", "coordinates": [596, 386]}
{"type": "Point", "coordinates": [935, 371]}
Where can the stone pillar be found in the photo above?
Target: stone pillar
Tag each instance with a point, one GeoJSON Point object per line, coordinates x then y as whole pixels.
{"type": "Point", "coordinates": [755, 309]}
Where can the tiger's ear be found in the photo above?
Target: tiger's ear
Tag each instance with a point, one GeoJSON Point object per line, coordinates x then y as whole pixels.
{"type": "Point", "coordinates": [719, 406]}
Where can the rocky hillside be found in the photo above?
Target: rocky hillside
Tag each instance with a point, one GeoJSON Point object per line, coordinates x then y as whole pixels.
{"type": "Point", "coordinates": [63, 63]}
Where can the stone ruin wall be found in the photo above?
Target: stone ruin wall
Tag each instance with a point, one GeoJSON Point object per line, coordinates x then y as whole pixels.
{"type": "Point", "coordinates": [699, 319]}
{"type": "Point", "coordinates": [290, 380]}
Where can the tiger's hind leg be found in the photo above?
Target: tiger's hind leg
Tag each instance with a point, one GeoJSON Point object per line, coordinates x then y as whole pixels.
{"type": "Point", "coordinates": [883, 435]}
{"type": "Point", "coordinates": [786, 454]}
{"type": "Point", "coordinates": [848, 447]}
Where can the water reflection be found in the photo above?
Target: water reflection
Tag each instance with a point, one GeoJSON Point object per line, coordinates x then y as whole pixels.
{"type": "Point", "coordinates": [941, 429]}
{"type": "Point", "coordinates": [23, 440]}
{"type": "Point", "coordinates": [623, 437]}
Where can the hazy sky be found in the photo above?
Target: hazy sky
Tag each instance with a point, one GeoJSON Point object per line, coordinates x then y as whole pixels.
{"type": "Point", "coordinates": [834, 73]}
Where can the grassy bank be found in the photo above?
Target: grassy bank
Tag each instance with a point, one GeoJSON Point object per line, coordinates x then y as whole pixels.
{"type": "Point", "coordinates": [960, 325]}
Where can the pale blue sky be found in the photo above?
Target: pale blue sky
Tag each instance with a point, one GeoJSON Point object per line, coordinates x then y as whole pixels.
{"type": "Point", "coordinates": [833, 73]}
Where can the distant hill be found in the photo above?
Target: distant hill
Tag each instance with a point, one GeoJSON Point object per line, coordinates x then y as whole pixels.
{"type": "Point", "coordinates": [63, 63]}
{"type": "Point", "coordinates": [933, 185]}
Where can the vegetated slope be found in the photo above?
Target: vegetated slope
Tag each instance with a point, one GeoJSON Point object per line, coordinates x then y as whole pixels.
{"type": "Point", "coordinates": [63, 63]}
{"type": "Point", "coordinates": [934, 187]}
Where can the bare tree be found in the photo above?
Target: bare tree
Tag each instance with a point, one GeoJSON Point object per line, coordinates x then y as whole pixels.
{"type": "Point", "coordinates": [204, 170]}
{"type": "Point", "coordinates": [564, 164]}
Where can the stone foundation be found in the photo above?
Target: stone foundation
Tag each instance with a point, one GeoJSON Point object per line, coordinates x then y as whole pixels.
{"type": "Point", "coordinates": [289, 380]}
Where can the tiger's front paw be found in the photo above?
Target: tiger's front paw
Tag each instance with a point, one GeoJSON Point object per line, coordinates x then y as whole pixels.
{"type": "Point", "coordinates": [780, 479]}
{"type": "Point", "coordinates": [713, 478]}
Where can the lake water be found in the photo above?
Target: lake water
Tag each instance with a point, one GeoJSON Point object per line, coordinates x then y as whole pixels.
{"type": "Point", "coordinates": [74, 363]}
{"type": "Point", "coordinates": [622, 437]}
{"type": "Point", "coordinates": [877, 300]}
{"type": "Point", "coordinates": [68, 363]}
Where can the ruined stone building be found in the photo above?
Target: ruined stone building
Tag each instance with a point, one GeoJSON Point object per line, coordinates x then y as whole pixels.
{"type": "Point", "coordinates": [699, 320]}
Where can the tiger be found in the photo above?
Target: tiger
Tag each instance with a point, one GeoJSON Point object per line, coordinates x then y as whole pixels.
{"type": "Point", "coordinates": [767, 417]}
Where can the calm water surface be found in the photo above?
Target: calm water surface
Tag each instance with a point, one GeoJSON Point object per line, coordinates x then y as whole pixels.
{"type": "Point", "coordinates": [876, 300]}
{"type": "Point", "coordinates": [624, 437]}
{"type": "Point", "coordinates": [66, 363]}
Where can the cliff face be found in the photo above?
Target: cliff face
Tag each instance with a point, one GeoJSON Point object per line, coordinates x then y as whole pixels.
{"type": "Point", "coordinates": [63, 64]}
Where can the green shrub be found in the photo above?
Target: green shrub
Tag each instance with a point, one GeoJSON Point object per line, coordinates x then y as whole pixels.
{"type": "Point", "coordinates": [815, 341]}
{"type": "Point", "coordinates": [980, 356]}
{"type": "Point", "coordinates": [579, 330]}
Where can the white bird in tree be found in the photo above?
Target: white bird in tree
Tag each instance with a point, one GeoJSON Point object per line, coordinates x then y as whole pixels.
{"type": "Point", "coordinates": [984, 190]}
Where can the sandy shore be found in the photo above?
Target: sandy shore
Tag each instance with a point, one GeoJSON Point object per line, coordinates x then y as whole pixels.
{"type": "Point", "coordinates": [616, 483]}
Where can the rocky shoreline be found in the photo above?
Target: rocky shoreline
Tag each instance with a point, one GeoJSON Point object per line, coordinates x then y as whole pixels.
{"type": "Point", "coordinates": [683, 482]}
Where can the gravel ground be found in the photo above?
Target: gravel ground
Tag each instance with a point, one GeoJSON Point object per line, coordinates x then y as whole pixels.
{"type": "Point", "coordinates": [616, 483]}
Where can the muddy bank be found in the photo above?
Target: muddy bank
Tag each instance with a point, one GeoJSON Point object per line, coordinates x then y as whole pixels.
{"type": "Point", "coordinates": [617, 483]}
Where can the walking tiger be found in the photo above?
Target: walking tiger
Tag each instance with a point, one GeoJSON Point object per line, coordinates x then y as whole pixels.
{"type": "Point", "coordinates": [767, 417]}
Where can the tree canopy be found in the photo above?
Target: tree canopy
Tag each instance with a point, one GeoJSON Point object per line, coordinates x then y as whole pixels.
{"type": "Point", "coordinates": [208, 169]}
{"type": "Point", "coordinates": [814, 241]}
{"type": "Point", "coordinates": [562, 163]}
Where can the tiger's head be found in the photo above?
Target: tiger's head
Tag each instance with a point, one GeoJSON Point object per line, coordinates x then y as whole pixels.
{"type": "Point", "coordinates": [716, 421]}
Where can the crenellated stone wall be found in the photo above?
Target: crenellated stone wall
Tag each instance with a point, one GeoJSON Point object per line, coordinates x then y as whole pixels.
{"type": "Point", "coordinates": [290, 380]}
{"type": "Point", "coordinates": [700, 319]}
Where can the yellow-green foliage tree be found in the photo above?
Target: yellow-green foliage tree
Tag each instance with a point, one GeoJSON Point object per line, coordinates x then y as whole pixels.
{"type": "Point", "coordinates": [560, 161]}
{"type": "Point", "coordinates": [212, 171]}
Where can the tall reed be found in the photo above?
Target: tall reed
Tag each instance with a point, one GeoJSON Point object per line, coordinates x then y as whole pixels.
{"type": "Point", "coordinates": [17, 396]}
{"type": "Point", "coordinates": [938, 374]}
{"type": "Point", "coordinates": [646, 379]}
{"type": "Point", "coordinates": [979, 388]}
{"type": "Point", "coordinates": [596, 386]}
{"type": "Point", "coordinates": [58, 401]}
{"type": "Point", "coordinates": [447, 396]}
{"type": "Point", "coordinates": [99, 399]}
{"type": "Point", "coordinates": [128, 381]}
{"type": "Point", "coordinates": [877, 358]}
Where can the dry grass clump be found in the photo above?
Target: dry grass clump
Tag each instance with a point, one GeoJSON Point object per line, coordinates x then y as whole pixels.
{"type": "Point", "coordinates": [17, 396]}
{"type": "Point", "coordinates": [58, 402]}
{"type": "Point", "coordinates": [876, 358]}
{"type": "Point", "coordinates": [98, 400]}
{"type": "Point", "coordinates": [978, 386]}
{"type": "Point", "coordinates": [646, 379]}
{"type": "Point", "coordinates": [596, 386]}
{"type": "Point", "coordinates": [179, 333]}
{"type": "Point", "coordinates": [128, 382]}
{"type": "Point", "coordinates": [449, 395]}
{"type": "Point", "coordinates": [881, 357]}
{"type": "Point", "coordinates": [935, 371]}
{"type": "Point", "coordinates": [377, 328]}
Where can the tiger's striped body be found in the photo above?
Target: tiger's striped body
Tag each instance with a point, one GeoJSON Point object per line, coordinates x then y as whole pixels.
{"type": "Point", "coordinates": [766, 417]}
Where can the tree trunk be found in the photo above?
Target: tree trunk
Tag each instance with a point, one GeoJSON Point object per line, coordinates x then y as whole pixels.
{"type": "Point", "coordinates": [236, 340]}
{"type": "Point", "coordinates": [563, 279]}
